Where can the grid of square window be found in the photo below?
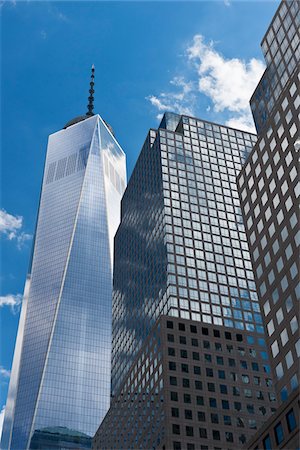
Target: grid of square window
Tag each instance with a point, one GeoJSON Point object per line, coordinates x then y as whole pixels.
{"type": "Point", "coordinates": [281, 48]}
{"type": "Point", "coordinates": [210, 275]}
{"type": "Point", "coordinates": [269, 188]}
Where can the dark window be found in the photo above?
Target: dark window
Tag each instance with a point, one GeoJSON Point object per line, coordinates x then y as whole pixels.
{"type": "Point", "coordinates": [194, 342]}
{"type": "Point", "coordinates": [239, 337]}
{"type": "Point", "coordinates": [174, 396]}
{"type": "Point", "coordinates": [209, 372]}
{"type": "Point", "coordinates": [196, 356]}
{"type": "Point", "coordinates": [183, 353]}
{"type": "Point", "coordinates": [181, 327]}
{"type": "Point", "coordinates": [197, 370]}
{"type": "Point", "coordinates": [182, 340]}
{"type": "Point", "coordinates": [237, 406]}
{"type": "Point", "coordinates": [186, 398]}
{"type": "Point", "coordinates": [236, 391]}
{"type": "Point", "coordinates": [218, 346]}
{"type": "Point", "coordinates": [228, 436]}
{"type": "Point", "coordinates": [199, 400]}
{"type": "Point", "coordinates": [221, 374]}
{"type": "Point", "coordinates": [193, 329]}
{"type": "Point", "coordinates": [240, 422]}
{"type": "Point", "coordinates": [290, 420]}
{"type": "Point", "coordinates": [198, 385]}
{"type": "Point", "coordinates": [201, 416]}
{"type": "Point", "coordinates": [176, 428]}
{"type": "Point", "coordinates": [216, 435]}
{"type": "Point", "coordinates": [216, 333]}
{"type": "Point", "coordinates": [185, 382]}
{"type": "Point", "coordinates": [169, 324]}
{"type": "Point", "coordinates": [172, 365]}
{"type": "Point", "coordinates": [267, 443]}
{"type": "Point", "coordinates": [211, 387]}
{"type": "Point", "coordinates": [278, 433]}
{"type": "Point", "coordinates": [212, 402]}
{"type": "Point", "coordinates": [188, 414]}
{"type": "Point", "coordinates": [171, 337]}
{"type": "Point", "coordinates": [220, 360]}
{"type": "Point", "coordinates": [203, 447]}
{"type": "Point", "coordinates": [184, 368]}
{"type": "Point", "coordinates": [189, 431]}
{"type": "Point", "coordinates": [223, 389]}
{"type": "Point", "coordinates": [175, 412]}
{"type": "Point", "coordinates": [173, 381]}
{"type": "Point", "coordinates": [205, 331]}
{"type": "Point", "coordinates": [202, 432]}
{"type": "Point", "coordinates": [171, 351]}
{"type": "Point", "coordinates": [227, 420]}
{"type": "Point", "coordinates": [206, 344]}
{"type": "Point", "coordinates": [176, 446]}
{"type": "Point", "coordinates": [250, 408]}
{"type": "Point", "coordinates": [244, 364]}
{"type": "Point", "coordinates": [214, 418]}
{"type": "Point", "coordinates": [207, 357]}
{"type": "Point", "coordinates": [229, 348]}
{"type": "Point", "coordinates": [190, 446]}
{"type": "Point", "coordinates": [255, 366]}
{"type": "Point", "coordinates": [225, 404]}
{"type": "Point", "coordinates": [228, 335]}
{"type": "Point", "coordinates": [231, 362]}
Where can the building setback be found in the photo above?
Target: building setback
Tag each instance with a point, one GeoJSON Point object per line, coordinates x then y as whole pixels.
{"type": "Point", "coordinates": [60, 383]}
{"type": "Point", "coordinates": [190, 367]}
{"type": "Point", "coordinates": [269, 191]}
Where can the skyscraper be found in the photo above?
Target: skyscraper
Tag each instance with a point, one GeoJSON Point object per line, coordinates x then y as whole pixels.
{"type": "Point", "coordinates": [189, 361]}
{"type": "Point", "coordinates": [269, 190]}
{"type": "Point", "coordinates": [60, 383]}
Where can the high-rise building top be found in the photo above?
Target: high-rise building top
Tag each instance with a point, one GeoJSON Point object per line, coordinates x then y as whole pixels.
{"type": "Point", "coordinates": [61, 369]}
{"type": "Point", "coordinates": [281, 49]}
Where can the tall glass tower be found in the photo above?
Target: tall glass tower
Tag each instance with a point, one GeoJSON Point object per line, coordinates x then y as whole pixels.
{"type": "Point", "coordinates": [60, 385]}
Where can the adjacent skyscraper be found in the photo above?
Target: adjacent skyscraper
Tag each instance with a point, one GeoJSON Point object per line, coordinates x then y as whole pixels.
{"type": "Point", "coordinates": [270, 189]}
{"type": "Point", "coordinates": [60, 385]}
{"type": "Point", "coordinates": [189, 360]}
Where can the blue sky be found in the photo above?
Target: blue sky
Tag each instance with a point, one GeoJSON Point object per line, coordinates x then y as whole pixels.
{"type": "Point", "coordinates": [199, 58]}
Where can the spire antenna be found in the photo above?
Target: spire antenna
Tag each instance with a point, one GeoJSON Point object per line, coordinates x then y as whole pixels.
{"type": "Point", "coordinates": [90, 105]}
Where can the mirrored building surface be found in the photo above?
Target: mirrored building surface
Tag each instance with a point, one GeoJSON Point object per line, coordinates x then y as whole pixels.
{"type": "Point", "coordinates": [61, 369]}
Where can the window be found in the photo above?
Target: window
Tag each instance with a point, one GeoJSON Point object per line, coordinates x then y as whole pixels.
{"type": "Point", "coordinates": [278, 433]}
{"type": "Point", "coordinates": [189, 431]}
{"type": "Point", "coordinates": [175, 412]}
{"type": "Point", "coordinates": [225, 404]}
{"type": "Point", "coordinates": [174, 396]}
{"type": "Point", "coordinates": [216, 435]}
{"type": "Point", "coordinates": [290, 420]}
{"type": "Point", "coordinates": [201, 416]}
{"type": "Point", "coordinates": [228, 436]}
{"type": "Point", "coordinates": [186, 398]}
{"type": "Point", "coordinates": [214, 418]}
{"type": "Point", "coordinates": [203, 433]}
{"type": "Point", "coordinates": [212, 402]}
{"type": "Point", "coordinates": [227, 420]}
{"type": "Point", "coordinates": [171, 351]}
{"type": "Point", "coordinates": [176, 428]}
{"type": "Point", "coordinates": [173, 381]}
{"type": "Point", "coordinates": [185, 383]}
{"type": "Point", "coordinates": [267, 443]}
{"type": "Point", "coordinates": [209, 372]}
{"type": "Point", "coordinates": [199, 400]}
{"type": "Point", "coordinates": [176, 446]}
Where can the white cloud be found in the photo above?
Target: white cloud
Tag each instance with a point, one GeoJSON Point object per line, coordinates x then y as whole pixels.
{"type": "Point", "coordinates": [4, 372]}
{"type": "Point", "coordinates": [228, 83]}
{"type": "Point", "coordinates": [12, 301]}
{"type": "Point", "coordinates": [1, 419]}
{"type": "Point", "coordinates": [181, 99]}
{"type": "Point", "coordinates": [10, 226]}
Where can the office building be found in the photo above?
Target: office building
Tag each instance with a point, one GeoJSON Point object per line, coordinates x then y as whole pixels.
{"type": "Point", "coordinates": [189, 360]}
{"type": "Point", "coordinates": [60, 384]}
{"type": "Point", "coordinates": [269, 191]}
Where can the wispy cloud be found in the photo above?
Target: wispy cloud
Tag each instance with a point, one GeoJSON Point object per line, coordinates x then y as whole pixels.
{"type": "Point", "coordinates": [228, 83]}
{"type": "Point", "coordinates": [13, 301]}
{"type": "Point", "coordinates": [4, 372]}
{"type": "Point", "coordinates": [10, 227]}
{"type": "Point", "coordinates": [181, 98]}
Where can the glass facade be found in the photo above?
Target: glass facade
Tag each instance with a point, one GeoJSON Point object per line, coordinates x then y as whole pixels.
{"type": "Point", "coordinates": [63, 371]}
{"type": "Point", "coordinates": [181, 248]}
